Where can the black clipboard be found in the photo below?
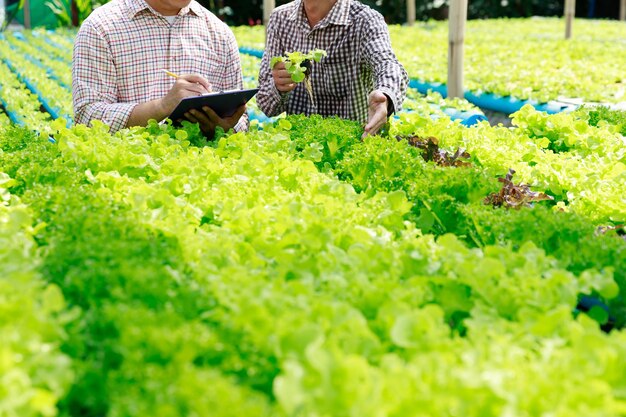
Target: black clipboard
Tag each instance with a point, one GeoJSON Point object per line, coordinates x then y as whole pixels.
{"type": "Point", "coordinates": [224, 103]}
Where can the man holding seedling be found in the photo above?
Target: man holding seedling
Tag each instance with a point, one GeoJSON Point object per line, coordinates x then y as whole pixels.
{"type": "Point", "coordinates": [359, 77]}
{"type": "Point", "coordinates": [135, 60]}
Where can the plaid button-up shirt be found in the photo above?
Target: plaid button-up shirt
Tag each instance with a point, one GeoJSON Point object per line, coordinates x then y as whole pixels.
{"type": "Point", "coordinates": [360, 59]}
{"type": "Point", "coordinates": [122, 47]}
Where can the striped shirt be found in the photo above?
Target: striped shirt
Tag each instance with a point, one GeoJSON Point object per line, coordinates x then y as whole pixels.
{"type": "Point", "coordinates": [360, 59]}
{"type": "Point", "coordinates": [122, 47]}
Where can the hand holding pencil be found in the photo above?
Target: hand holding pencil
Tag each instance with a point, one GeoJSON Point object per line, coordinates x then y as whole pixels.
{"type": "Point", "coordinates": [171, 74]}
{"type": "Point", "coordinates": [187, 85]}
{"type": "Point", "coordinates": [198, 79]}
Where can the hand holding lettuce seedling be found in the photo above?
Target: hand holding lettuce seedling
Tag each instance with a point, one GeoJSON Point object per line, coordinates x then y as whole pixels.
{"type": "Point", "coordinates": [294, 68]}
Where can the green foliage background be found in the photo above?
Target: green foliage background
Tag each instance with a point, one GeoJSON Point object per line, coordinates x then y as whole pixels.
{"type": "Point", "coordinates": [395, 10]}
{"type": "Point", "coordinates": [236, 12]}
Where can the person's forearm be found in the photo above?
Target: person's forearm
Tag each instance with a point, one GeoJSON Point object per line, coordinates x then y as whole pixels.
{"type": "Point", "coordinates": [115, 115]}
{"type": "Point", "coordinates": [391, 78]}
{"type": "Point", "coordinates": [270, 100]}
{"type": "Point", "coordinates": [144, 112]}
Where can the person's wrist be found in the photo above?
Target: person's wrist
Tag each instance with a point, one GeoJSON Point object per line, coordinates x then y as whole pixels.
{"type": "Point", "coordinates": [390, 106]}
{"type": "Point", "coordinates": [163, 108]}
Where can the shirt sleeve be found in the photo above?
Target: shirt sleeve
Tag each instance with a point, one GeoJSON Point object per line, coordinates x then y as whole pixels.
{"type": "Point", "coordinates": [233, 76]}
{"type": "Point", "coordinates": [94, 81]}
{"type": "Point", "coordinates": [270, 100]}
{"type": "Point", "coordinates": [390, 77]}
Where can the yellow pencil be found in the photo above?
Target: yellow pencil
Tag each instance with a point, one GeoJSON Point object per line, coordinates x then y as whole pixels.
{"type": "Point", "coordinates": [171, 74]}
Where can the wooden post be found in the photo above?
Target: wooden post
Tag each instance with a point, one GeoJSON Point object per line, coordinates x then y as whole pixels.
{"type": "Point", "coordinates": [410, 12]}
{"type": "Point", "coordinates": [27, 23]}
{"type": "Point", "coordinates": [570, 11]}
{"type": "Point", "coordinates": [622, 10]}
{"type": "Point", "coordinates": [456, 36]}
{"type": "Point", "coordinates": [268, 6]}
{"type": "Point", "coordinates": [74, 10]}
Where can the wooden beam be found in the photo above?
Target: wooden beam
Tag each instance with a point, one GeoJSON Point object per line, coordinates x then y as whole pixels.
{"type": "Point", "coordinates": [456, 37]}
{"type": "Point", "coordinates": [268, 7]}
{"type": "Point", "coordinates": [570, 12]}
{"type": "Point", "coordinates": [622, 10]}
{"type": "Point", "coordinates": [410, 12]}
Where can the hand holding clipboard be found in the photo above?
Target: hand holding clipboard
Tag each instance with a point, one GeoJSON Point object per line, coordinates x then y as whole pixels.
{"type": "Point", "coordinates": [224, 104]}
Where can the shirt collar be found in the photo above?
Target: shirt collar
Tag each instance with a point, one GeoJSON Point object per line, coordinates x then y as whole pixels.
{"type": "Point", "coordinates": [338, 15]}
{"type": "Point", "coordinates": [297, 10]}
{"type": "Point", "coordinates": [136, 6]}
{"type": "Point", "coordinates": [195, 8]}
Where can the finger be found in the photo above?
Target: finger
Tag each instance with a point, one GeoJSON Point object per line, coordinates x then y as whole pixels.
{"type": "Point", "coordinates": [279, 66]}
{"type": "Point", "coordinates": [193, 91]}
{"type": "Point", "coordinates": [190, 89]}
{"type": "Point", "coordinates": [201, 117]}
{"type": "Point", "coordinates": [283, 74]}
{"type": "Point", "coordinates": [191, 118]}
{"type": "Point", "coordinates": [195, 78]}
{"type": "Point", "coordinates": [214, 118]}
{"type": "Point", "coordinates": [375, 123]}
{"type": "Point", "coordinates": [193, 87]}
{"type": "Point", "coordinates": [227, 122]}
{"type": "Point", "coordinates": [283, 80]}
{"type": "Point", "coordinates": [186, 88]}
{"type": "Point", "coordinates": [371, 130]}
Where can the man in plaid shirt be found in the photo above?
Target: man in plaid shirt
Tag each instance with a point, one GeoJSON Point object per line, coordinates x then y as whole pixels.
{"type": "Point", "coordinates": [360, 79]}
{"type": "Point", "coordinates": [120, 53]}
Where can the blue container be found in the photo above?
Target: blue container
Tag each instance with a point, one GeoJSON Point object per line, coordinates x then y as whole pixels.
{"type": "Point", "coordinates": [253, 52]}
{"type": "Point", "coordinates": [258, 116]}
{"type": "Point", "coordinates": [424, 87]}
{"type": "Point", "coordinates": [493, 102]}
{"type": "Point", "coordinates": [12, 116]}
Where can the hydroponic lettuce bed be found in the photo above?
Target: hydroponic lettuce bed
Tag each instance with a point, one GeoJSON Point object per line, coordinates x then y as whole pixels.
{"type": "Point", "coordinates": [297, 270]}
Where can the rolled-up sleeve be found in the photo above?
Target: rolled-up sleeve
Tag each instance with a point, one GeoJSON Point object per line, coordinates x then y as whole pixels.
{"type": "Point", "coordinates": [390, 77]}
{"type": "Point", "coordinates": [233, 75]}
{"type": "Point", "coordinates": [94, 81]}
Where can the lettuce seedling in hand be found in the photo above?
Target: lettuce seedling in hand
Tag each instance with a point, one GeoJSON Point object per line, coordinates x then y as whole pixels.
{"type": "Point", "coordinates": [298, 65]}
